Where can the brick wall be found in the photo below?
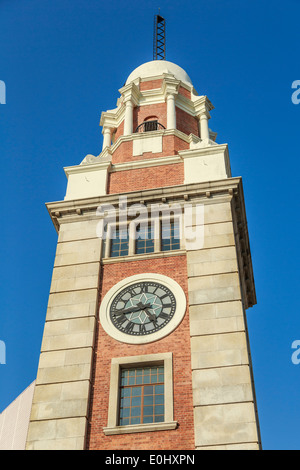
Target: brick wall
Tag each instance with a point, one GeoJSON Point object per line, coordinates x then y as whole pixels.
{"type": "Point", "coordinates": [186, 123]}
{"type": "Point", "coordinates": [150, 84]}
{"type": "Point", "coordinates": [146, 178]}
{"type": "Point", "coordinates": [183, 91]}
{"type": "Point", "coordinates": [177, 342]}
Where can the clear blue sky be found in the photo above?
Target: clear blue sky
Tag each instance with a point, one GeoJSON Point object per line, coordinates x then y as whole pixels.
{"type": "Point", "coordinates": [63, 63]}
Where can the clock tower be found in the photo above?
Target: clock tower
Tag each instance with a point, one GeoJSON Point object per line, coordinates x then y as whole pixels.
{"type": "Point", "coordinates": [145, 343]}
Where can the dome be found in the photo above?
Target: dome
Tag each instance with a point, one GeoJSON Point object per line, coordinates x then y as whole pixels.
{"type": "Point", "coordinates": [158, 67]}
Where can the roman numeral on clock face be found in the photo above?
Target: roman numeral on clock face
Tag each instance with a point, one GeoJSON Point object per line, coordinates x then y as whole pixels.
{"type": "Point", "coordinates": [119, 318]}
{"type": "Point", "coordinates": [129, 327]}
{"type": "Point", "coordinates": [163, 315]}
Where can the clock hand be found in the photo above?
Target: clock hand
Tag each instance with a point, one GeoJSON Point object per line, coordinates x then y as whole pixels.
{"type": "Point", "coordinates": [142, 306]}
{"type": "Point", "coordinates": [133, 309]}
{"type": "Point", "coordinates": [151, 316]}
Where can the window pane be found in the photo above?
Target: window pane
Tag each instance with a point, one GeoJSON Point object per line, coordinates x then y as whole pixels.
{"type": "Point", "coordinates": [170, 236]}
{"type": "Point", "coordinates": [154, 378]}
{"type": "Point", "coordinates": [160, 377]}
{"type": "Point", "coordinates": [124, 421]}
{"type": "Point", "coordinates": [119, 244]}
{"type": "Point", "coordinates": [159, 410]}
{"type": "Point", "coordinates": [125, 402]}
{"type": "Point", "coordinates": [136, 401]}
{"type": "Point", "coordinates": [148, 400]}
{"type": "Point", "coordinates": [158, 419]}
{"type": "Point", "coordinates": [124, 412]}
{"type": "Point", "coordinates": [148, 410]}
{"type": "Point", "coordinates": [136, 411]}
{"type": "Point", "coordinates": [148, 390]}
{"type": "Point", "coordinates": [148, 419]}
{"type": "Point", "coordinates": [136, 420]}
{"type": "Point", "coordinates": [136, 391]}
{"type": "Point", "coordinates": [159, 389]}
{"type": "Point", "coordinates": [159, 399]}
{"type": "Point", "coordinates": [145, 240]}
{"type": "Point", "coordinates": [125, 392]}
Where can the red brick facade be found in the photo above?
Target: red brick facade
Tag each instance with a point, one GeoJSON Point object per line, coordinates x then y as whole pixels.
{"type": "Point", "coordinates": [145, 178]}
{"type": "Point", "coordinates": [178, 342]}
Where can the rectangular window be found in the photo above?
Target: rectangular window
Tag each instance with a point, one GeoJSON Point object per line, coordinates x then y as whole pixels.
{"type": "Point", "coordinates": [119, 243]}
{"type": "Point", "coordinates": [170, 235]}
{"type": "Point", "coordinates": [145, 241]}
{"type": "Point", "coordinates": [160, 235]}
{"type": "Point", "coordinates": [142, 395]}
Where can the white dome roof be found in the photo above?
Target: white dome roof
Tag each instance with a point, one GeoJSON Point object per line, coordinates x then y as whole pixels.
{"type": "Point", "coordinates": [158, 67]}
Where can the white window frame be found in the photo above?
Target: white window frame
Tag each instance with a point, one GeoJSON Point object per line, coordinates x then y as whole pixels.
{"type": "Point", "coordinates": [131, 226]}
{"type": "Point", "coordinates": [117, 364]}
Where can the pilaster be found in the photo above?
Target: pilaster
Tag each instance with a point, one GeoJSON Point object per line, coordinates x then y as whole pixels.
{"type": "Point", "coordinates": [225, 414]}
{"type": "Point", "coordinates": [61, 398]}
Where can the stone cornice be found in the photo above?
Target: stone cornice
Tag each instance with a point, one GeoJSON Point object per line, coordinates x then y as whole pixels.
{"type": "Point", "coordinates": [86, 168]}
{"type": "Point", "coordinates": [64, 211]}
{"type": "Point", "coordinates": [208, 150]}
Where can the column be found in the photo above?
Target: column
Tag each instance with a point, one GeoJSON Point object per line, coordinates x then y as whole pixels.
{"type": "Point", "coordinates": [171, 111]}
{"type": "Point", "coordinates": [128, 122]}
{"type": "Point", "coordinates": [106, 137]}
{"type": "Point", "coordinates": [204, 131]}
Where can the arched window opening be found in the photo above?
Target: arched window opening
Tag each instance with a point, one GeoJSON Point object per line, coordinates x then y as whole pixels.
{"type": "Point", "coordinates": [150, 124]}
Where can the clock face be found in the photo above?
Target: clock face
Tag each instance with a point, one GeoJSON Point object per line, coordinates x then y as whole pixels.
{"type": "Point", "coordinates": [142, 308]}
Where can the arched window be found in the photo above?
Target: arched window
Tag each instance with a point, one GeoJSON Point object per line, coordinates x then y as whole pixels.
{"type": "Point", "coordinates": [150, 124]}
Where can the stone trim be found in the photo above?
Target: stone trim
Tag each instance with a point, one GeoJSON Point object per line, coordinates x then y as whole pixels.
{"type": "Point", "coordinates": [150, 359]}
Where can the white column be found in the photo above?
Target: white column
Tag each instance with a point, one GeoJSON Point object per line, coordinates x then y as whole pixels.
{"type": "Point", "coordinates": [128, 122]}
{"type": "Point", "coordinates": [204, 131]}
{"type": "Point", "coordinates": [106, 137]}
{"type": "Point", "coordinates": [171, 111]}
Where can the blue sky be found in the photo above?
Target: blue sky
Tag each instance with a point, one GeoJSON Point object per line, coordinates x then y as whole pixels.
{"type": "Point", "coordinates": [63, 63]}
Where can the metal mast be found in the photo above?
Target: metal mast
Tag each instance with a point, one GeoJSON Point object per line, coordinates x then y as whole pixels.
{"type": "Point", "coordinates": [159, 38]}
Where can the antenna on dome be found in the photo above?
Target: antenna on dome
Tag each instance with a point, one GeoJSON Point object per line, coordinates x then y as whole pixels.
{"type": "Point", "coordinates": [159, 38]}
